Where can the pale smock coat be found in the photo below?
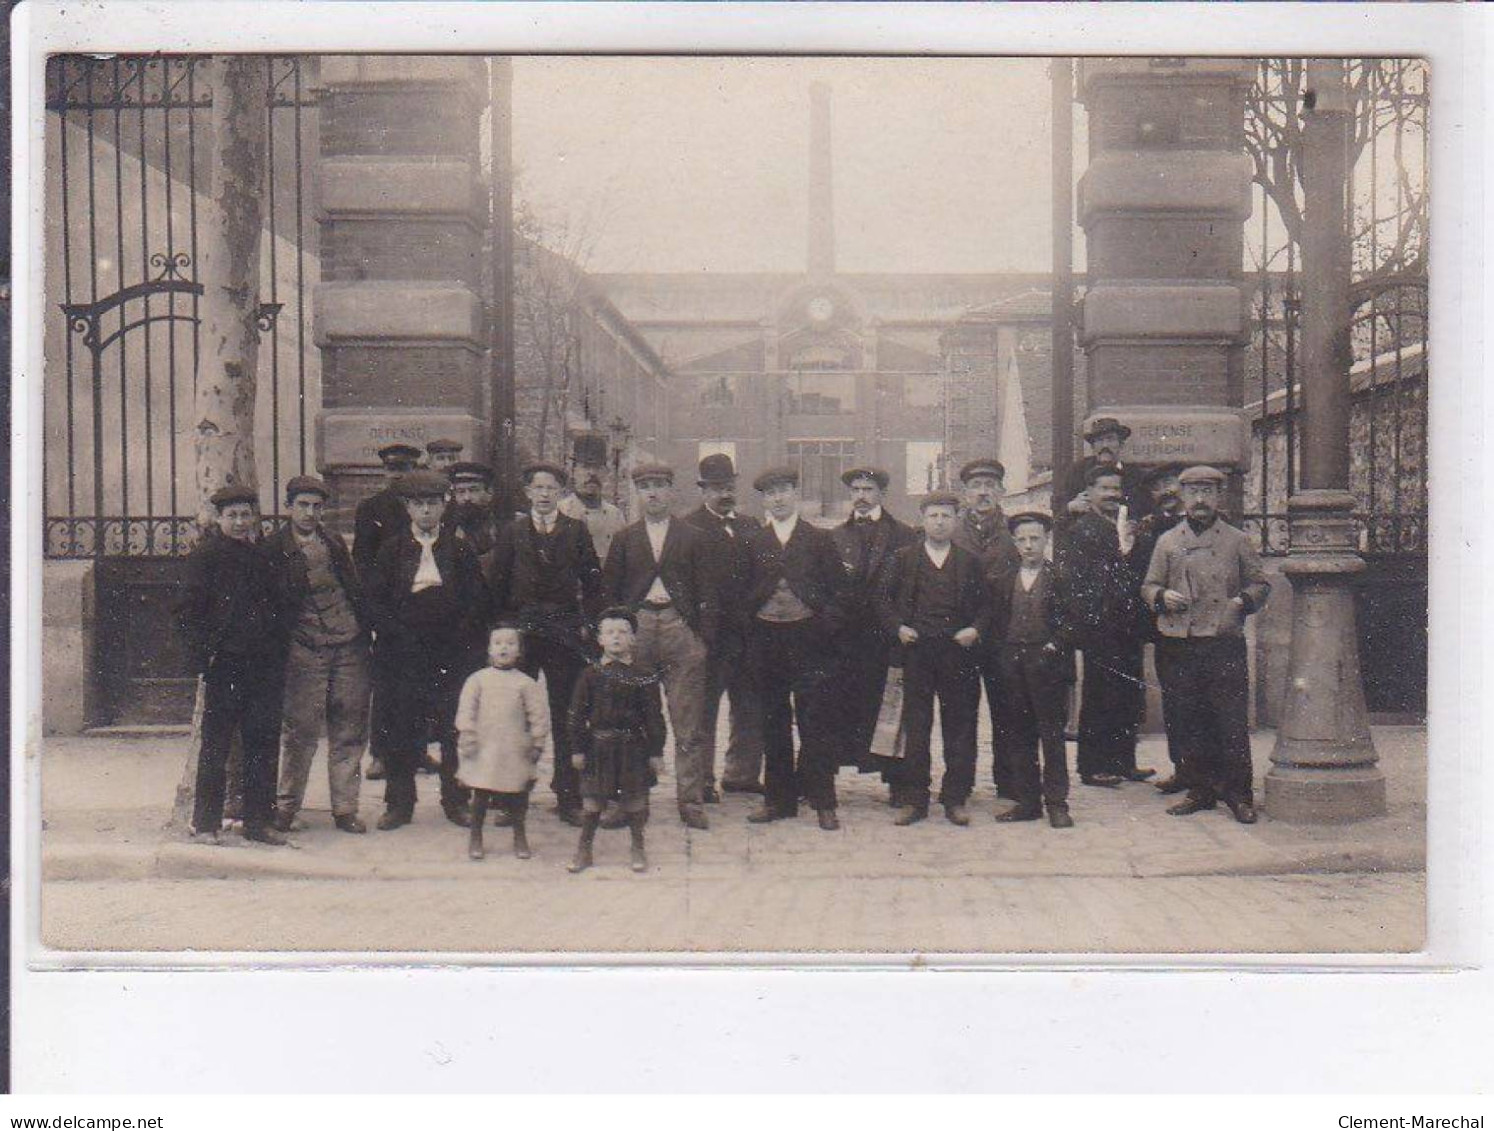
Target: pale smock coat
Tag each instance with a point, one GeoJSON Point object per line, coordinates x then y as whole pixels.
{"type": "Point", "coordinates": [502, 721]}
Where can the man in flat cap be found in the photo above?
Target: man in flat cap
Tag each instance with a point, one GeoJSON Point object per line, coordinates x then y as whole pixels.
{"type": "Point", "coordinates": [724, 532]}
{"type": "Point", "coordinates": [867, 541]}
{"type": "Point", "coordinates": [1106, 437]}
{"type": "Point", "coordinates": [935, 604]}
{"type": "Point", "coordinates": [660, 568]}
{"type": "Point", "coordinates": [792, 594]}
{"type": "Point", "coordinates": [471, 512]}
{"type": "Point", "coordinates": [1035, 652]}
{"type": "Point", "coordinates": [327, 666]}
{"type": "Point", "coordinates": [603, 519]}
{"type": "Point", "coordinates": [1205, 578]}
{"type": "Point", "coordinates": [1109, 624]}
{"type": "Point", "coordinates": [429, 609]}
{"type": "Point", "coordinates": [441, 454]}
{"type": "Point", "coordinates": [232, 620]}
{"type": "Point", "coordinates": [982, 530]}
{"type": "Point", "coordinates": [546, 578]}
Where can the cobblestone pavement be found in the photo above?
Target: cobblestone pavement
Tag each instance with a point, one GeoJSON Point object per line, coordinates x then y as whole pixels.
{"type": "Point", "coordinates": [1128, 878]}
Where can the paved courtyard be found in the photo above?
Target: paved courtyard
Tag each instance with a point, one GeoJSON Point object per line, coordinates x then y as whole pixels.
{"type": "Point", "coordinates": [1126, 879]}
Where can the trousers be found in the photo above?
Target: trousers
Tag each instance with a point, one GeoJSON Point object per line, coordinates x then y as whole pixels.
{"type": "Point", "coordinates": [862, 681]}
{"type": "Point", "coordinates": [1110, 711]}
{"type": "Point", "coordinates": [561, 656]}
{"type": "Point", "coordinates": [1205, 692]}
{"type": "Point", "coordinates": [790, 665]}
{"type": "Point", "coordinates": [743, 763]}
{"type": "Point", "coordinates": [670, 647]}
{"type": "Point", "coordinates": [243, 695]}
{"type": "Point", "coordinates": [325, 689]}
{"type": "Point", "coordinates": [939, 668]}
{"type": "Point", "coordinates": [1002, 771]}
{"type": "Point", "coordinates": [1035, 690]}
{"type": "Point", "coordinates": [421, 688]}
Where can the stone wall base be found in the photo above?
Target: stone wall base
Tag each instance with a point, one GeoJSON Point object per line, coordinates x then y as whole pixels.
{"type": "Point", "coordinates": [69, 678]}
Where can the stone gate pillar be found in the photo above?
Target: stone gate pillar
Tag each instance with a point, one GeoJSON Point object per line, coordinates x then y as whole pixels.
{"type": "Point", "coordinates": [399, 315]}
{"type": "Point", "coordinates": [1163, 205]}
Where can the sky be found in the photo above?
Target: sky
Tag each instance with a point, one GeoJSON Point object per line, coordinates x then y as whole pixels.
{"type": "Point", "coordinates": [701, 164]}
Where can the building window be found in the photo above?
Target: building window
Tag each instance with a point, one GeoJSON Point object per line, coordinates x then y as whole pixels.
{"type": "Point", "coordinates": [820, 464]}
{"type": "Point", "coordinates": [820, 394]}
{"type": "Point", "coordinates": [718, 391]}
{"type": "Point", "coordinates": [923, 390]}
{"type": "Point", "coordinates": [923, 461]}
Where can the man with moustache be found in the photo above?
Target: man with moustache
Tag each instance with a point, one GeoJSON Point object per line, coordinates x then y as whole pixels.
{"type": "Point", "coordinates": [660, 568]}
{"type": "Point", "coordinates": [546, 578]}
{"type": "Point", "coordinates": [867, 542]}
{"type": "Point", "coordinates": [725, 534]}
{"type": "Point", "coordinates": [1108, 621]}
{"type": "Point", "coordinates": [983, 531]}
{"type": "Point", "coordinates": [1205, 578]}
{"type": "Point", "coordinates": [792, 589]}
{"type": "Point", "coordinates": [1106, 437]}
{"type": "Point", "coordinates": [603, 520]}
{"type": "Point", "coordinates": [470, 513]}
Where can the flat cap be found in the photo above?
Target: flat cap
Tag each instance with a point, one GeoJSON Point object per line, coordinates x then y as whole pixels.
{"type": "Point", "coordinates": [444, 445]}
{"type": "Point", "coordinates": [653, 471]}
{"type": "Point", "coordinates": [307, 485]}
{"type": "Point", "coordinates": [1202, 473]}
{"type": "Point", "coordinates": [1042, 517]}
{"type": "Point", "coordinates": [470, 471]}
{"type": "Point", "coordinates": [234, 493]}
{"type": "Point", "coordinates": [940, 499]}
{"type": "Point", "coordinates": [423, 484]}
{"type": "Point", "coordinates": [875, 474]}
{"type": "Point", "coordinates": [1102, 424]}
{"type": "Point", "coordinates": [1100, 471]}
{"type": "Point", "coordinates": [991, 467]}
{"type": "Point", "coordinates": [717, 470]}
{"type": "Point", "coordinates": [533, 469]}
{"type": "Point", "coordinates": [399, 453]}
{"type": "Point", "coordinates": [775, 475]}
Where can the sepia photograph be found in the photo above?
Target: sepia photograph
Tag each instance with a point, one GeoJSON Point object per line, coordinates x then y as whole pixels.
{"type": "Point", "coordinates": [518, 508]}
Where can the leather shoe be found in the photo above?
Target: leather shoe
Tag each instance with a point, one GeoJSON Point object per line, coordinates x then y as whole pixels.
{"type": "Point", "coordinates": [1141, 774]}
{"type": "Point", "coordinates": [1020, 813]}
{"type": "Point", "coordinates": [1109, 781]}
{"type": "Point", "coordinates": [286, 822]}
{"type": "Point", "coordinates": [1190, 805]}
{"type": "Point", "coordinates": [458, 815]}
{"type": "Point", "coordinates": [1169, 786]}
{"type": "Point", "coordinates": [828, 820]}
{"type": "Point", "coordinates": [765, 813]}
{"type": "Point", "coordinates": [909, 814]}
{"type": "Point", "coordinates": [265, 834]}
{"type": "Point", "coordinates": [1058, 817]}
{"type": "Point", "coordinates": [392, 820]}
{"type": "Point", "coordinates": [570, 816]}
{"type": "Point", "coordinates": [741, 787]}
{"type": "Point", "coordinates": [350, 823]}
{"type": "Point", "coordinates": [375, 771]}
{"type": "Point", "coordinates": [1243, 810]}
{"type": "Point", "coordinates": [957, 815]}
{"type": "Point", "coordinates": [694, 818]}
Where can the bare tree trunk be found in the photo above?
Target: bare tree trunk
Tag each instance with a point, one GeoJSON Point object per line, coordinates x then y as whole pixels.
{"type": "Point", "coordinates": [229, 271]}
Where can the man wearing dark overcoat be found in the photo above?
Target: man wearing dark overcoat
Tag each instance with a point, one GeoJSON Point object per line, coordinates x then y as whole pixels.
{"type": "Point", "coordinates": [232, 620]}
{"type": "Point", "coordinates": [1036, 656]}
{"type": "Point", "coordinates": [725, 532]}
{"type": "Point", "coordinates": [327, 666]}
{"type": "Point", "coordinates": [429, 608]}
{"type": "Point", "coordinates": [546, 578]}
{"type": "Point", "coordinates": [982, 530]}
{"type": "Point", "coordinates": [935, 604]}
{"type": "Point", "coordinates": [792, 592]}
{"type": "Point", "coordinates": [660, 568]}
{"type": "Point", "coordinates": [1205, 578]}
{"type": "Point", "coordinates": [867, 541]}
{"type": "Point", "coordinates": [1109, 625]}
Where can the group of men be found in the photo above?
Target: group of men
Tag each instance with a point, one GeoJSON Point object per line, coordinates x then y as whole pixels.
{"type": "Point", "coordinates": [796, 625]}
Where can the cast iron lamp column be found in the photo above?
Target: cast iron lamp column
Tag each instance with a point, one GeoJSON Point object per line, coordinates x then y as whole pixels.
{"type": "Point", "coordinates": [1324, 767]}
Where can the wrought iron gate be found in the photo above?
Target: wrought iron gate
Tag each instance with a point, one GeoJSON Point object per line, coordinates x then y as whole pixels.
{"type": "Point", "coordinates": [128, 176]}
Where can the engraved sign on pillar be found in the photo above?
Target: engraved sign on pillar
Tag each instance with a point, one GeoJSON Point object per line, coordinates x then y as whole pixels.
{"type": "Point", "coordinates": [1182, 435]}
{"type": "Point", "coordinates": [353, 439]}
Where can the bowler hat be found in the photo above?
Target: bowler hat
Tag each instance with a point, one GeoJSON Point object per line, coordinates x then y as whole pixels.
{"type": "Point", "coordinates": [653, 471]}
{"type": "Point", "coordinates": [775, 475]}
{"type": "Point", "coordinates": [875, 474]}
{"type": "Point", "coordinates": [716, 470]}
{"type": "Point", "coordinates": [393, 454]}
{"type": "Point", "coordinates": [991, 467]}
{"type": "Point", "coordinates": [534, 469]}
{"type": "Point", "coordinates": [234, 493]}
{"type": "Point", "coordinates": [1102, 424]}
{"type": "Point", "coordinates": [423, 484]}
{"type": "Point", "coordinates": [306, 485]}
{"type": "Point", "coordinates": [1041, 517]}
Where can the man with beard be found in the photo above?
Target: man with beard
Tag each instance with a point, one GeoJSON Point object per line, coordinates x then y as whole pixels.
{"type": "Point", "coordinates": [603, 520]}
{"type": "Point", "coordinates": [983, 531]}
{"type": "Point", "coordinates": [429, 610]}
{"type": "Point", "coordinates": [546, 578]}
{"type": "Point", "coordinates": [1108, 621]}
{"type": "Point", "coordinates": [725, 534]}
{"type": "Point", "coordinates": [471, 511]}
{"type": "Point", "coordinates": [867, 542]}
{"type": "Point", "coordinates": [792, 588]}
{"type": "Point", "coordinates": [1165, 512]}
{"type": "Point", "coordinates": [1204, 580]}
